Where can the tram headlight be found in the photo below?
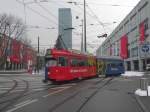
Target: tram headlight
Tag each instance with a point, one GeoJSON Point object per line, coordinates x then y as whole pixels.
{"type": "Point", "coordinates": [49, 72]}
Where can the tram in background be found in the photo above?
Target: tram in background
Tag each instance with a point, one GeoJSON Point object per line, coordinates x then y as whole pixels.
{"type": "Point", "coordinates": [110, 66]}
{"type": "Point", "coordinates": [64, 65]}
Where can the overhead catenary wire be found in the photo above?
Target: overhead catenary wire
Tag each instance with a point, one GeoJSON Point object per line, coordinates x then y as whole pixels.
{"type": "Point", "coordinates": [48, 19]}
{"type": "Point", "coordinates": [45, 17]}
{"type": "Point", "coordinates": [96, 17]}
{"type": "Point", "coordinates": [61, 24]}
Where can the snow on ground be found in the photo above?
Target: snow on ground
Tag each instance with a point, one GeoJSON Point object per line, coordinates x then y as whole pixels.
{"type": "Point", "coordinates": [143, 92]}
{"type": "Point", "coordinates": [132, 73]}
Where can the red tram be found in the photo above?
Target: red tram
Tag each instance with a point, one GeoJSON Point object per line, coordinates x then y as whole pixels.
{"type": "Point", "coordinates": [64, 65]}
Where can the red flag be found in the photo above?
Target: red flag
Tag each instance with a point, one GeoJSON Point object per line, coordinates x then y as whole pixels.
{"type": "Point", "coordinates": [124, 47]}
{"type": "Point", "coordinates": [15, 57]}
{"type": "Point", "coordinates": [142, 33]}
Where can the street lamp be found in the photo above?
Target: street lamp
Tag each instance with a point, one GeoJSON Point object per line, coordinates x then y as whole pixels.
{"type": "Point", "coordinates": [104, 35]}
{"type": "Point", "coordinates": [69, 28]}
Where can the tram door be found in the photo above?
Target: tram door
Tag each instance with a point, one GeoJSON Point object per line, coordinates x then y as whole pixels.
{"type": "Point", "coordinates": [100, 67]}
{"type": "Point", "coordinates": [63, 66]}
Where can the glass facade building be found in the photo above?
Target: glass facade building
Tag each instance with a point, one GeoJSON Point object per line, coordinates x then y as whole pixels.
{"type": "Point", "coordinates": [65, 25]}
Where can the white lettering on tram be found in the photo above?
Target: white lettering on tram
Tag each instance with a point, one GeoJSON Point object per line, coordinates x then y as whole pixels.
{"type": "Point", "coordinates": [75, 70]}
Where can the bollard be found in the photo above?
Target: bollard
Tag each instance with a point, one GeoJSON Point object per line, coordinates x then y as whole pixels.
{"type": "Point", "coordinates": [144, 84]}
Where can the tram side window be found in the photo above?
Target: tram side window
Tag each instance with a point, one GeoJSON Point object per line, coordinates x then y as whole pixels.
{"type": "Point", "coordinates": [78, 63]}
{"type": "Point", "coordinates": [62, 61]}
{"type": "Point", "coordinates": [74, 62]}
{"type": "Point", "coordinates": [82, 63]}
{"type": "Point", "coordinates": [121, 64]}
{"type": "Point", "coordinates": [113, 65]}
{"type": "Point", "coordinates": [51, 62]}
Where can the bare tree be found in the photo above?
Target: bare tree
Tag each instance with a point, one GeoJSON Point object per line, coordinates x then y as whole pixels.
{"type": "Point", "coordinates": [11, 27]}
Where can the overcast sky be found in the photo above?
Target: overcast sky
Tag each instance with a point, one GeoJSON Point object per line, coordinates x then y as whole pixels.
{"type": "Point", "coordinates": [45, 15]}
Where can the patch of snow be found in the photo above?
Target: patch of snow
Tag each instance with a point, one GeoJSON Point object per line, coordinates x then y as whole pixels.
{"type": "Point", "coordinates": [143, 92]}
{"type": "Point", "coordinates": [133, 73]}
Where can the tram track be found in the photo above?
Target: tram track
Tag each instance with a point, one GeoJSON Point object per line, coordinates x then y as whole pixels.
{"type": "Point", "coordinates": [9, 90]}
{"type": "Point", "coordinates": [95, 92]}
{"type": "Point", "coordinates": [76, 93]}
{"type": "Point", "coordinates": [140, 105]}
{"type": "Point", "coordinates": [11, 101]}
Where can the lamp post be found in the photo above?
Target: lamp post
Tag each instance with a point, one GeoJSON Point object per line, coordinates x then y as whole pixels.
{"type": "Point", "coordinates": [38, 57]}
{"type": "Point", "coordinates": [84, 26]}
{"type": "Point", "coordinates": [82, 48]}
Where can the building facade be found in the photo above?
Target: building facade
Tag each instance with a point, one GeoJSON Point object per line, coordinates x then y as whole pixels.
{"type": "Point", "coordinates": [131, 39]}
{"type": "Point", "coordinates": [15, 55]}
{"type": "Point", "coordinates": [65, 27]}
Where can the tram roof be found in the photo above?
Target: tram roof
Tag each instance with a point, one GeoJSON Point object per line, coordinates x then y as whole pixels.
{"type": "Point", "coordinates": [69, 52]}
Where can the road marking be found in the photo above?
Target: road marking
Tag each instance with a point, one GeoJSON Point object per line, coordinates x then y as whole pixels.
{"type": "Point", "coordinates": [61, 87]}
{"type": "Point", "coordinates": [2, 92]}
{"type": "Point", "coordinates": [38, 89]}
{"type": "Point", "coordinates": [19, 90]}
{"type": "Point", "coordinates": [72, 84]}
{"type": "Point", "coordinates": [5, 88]}
{"type": "Point", "coordinates": [22, 104]}
{"type": "Point", "coordinates": [55, 92]}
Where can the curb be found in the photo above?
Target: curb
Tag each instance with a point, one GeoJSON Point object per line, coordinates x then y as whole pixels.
{"type": "Point", "coordinates": [13, 72]}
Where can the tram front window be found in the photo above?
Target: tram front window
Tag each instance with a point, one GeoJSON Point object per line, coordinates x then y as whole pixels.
{"type": "Point", "coordinates": [51, 62]}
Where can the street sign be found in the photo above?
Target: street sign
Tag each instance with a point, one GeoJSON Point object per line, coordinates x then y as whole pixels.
{"type": "Point", "coordinates": [145, 48]}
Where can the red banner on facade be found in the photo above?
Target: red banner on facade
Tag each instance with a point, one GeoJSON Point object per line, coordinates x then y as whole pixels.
{"type": "Point", "coordinates": [142, 32]}
{"type": "Point", "coordinates": [124, 47]}
{"type": "Point", "coordinates": [15, 57]}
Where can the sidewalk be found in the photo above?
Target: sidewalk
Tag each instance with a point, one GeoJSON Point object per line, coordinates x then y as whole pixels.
{"type": "Point", "coordinates": [20, 72]}
{"type": "Point", "coordinates": [12, 71]}
{"type": "Point", "coordinates": [145, 100]}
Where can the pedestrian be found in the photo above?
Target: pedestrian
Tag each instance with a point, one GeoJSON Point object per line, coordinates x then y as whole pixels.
{"type": "Point", "coordinates": [34, 69]}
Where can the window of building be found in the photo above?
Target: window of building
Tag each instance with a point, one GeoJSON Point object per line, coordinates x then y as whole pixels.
{"type": "Point", "coordinates": [126, 22]}
{"type": "Point", "coordinates": [133, 16]}
{"type": "Point", "coordinates": [129, 53]}
{"type": "Point", "coordinates": [143, 6]}
{"type": "Point", "coordinates": [133, 29]}
{"type": "Point", "coordinates": [146, 25]}
{"type": "Point", "coordinates": [134, 52]}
